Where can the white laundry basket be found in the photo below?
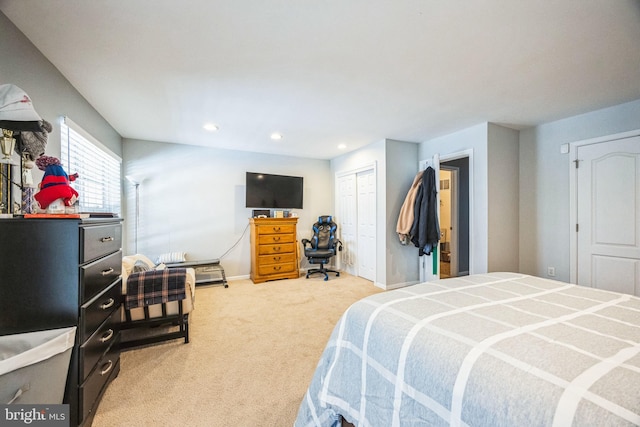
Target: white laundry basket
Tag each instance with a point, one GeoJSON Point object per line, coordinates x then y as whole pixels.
{"type": "Point", "coordinates": [34, 366]}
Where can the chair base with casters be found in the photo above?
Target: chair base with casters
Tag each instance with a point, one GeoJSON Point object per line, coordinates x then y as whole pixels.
{"type": "Point", "coordinates": [322, 269]}
{"type": "Point", "coordinates": [322, 246]}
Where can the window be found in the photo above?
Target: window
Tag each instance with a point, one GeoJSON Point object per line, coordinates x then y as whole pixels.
{"type": "Point", "coordinates": [98, 183]}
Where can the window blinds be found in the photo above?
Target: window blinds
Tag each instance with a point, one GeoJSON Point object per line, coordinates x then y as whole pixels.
{"type": "Point", "coordinates": [98, 168]}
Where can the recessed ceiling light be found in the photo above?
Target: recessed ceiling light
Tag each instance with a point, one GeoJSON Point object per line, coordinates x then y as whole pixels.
{"type": "Point", "coordinates": [210, 127]}
{"type": "Point", "coordinates": [342, 146]}
{"type": "Point", "coordinates": [276, 136]}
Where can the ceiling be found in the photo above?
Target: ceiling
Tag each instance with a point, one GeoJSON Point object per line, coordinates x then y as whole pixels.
{"type": "Point", "coordinates": [329, 72]}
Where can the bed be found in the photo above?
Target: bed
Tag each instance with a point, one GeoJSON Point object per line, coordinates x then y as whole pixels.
{"type": "Point", "coordinates": [499, 349]}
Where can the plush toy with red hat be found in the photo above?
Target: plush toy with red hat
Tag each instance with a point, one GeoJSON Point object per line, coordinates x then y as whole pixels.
{"type": "Point", "coordinates": [55, 183]}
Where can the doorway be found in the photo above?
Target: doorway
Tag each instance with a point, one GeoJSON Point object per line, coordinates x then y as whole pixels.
{"type": "Point", "coordinates": [606, 190]}
{"type": "Point", "coordinates": [448, 217]}
{"type": "Point", "coordinates": [454, 217]}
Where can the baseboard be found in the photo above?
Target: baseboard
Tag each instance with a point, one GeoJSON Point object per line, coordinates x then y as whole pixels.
{"type": "Point", "coordinates": [242, 277]}
{"type": "Point", "coordinates": [397, 285]}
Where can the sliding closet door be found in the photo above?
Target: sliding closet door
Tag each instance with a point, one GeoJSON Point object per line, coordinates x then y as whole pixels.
{"type": "Point", "coordinates": [366, 182]}
{"type": "Point", "coordinates": [347, 223]}
{"type": "Point", "coordinates": [356, 218]}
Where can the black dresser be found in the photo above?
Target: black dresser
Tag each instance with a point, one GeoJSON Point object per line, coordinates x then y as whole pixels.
{"type": "Point", "coordinates": [57, 273]}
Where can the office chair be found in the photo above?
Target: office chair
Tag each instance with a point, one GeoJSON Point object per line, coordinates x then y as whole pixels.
{"type": "Point", "coordinates": [323, 245]}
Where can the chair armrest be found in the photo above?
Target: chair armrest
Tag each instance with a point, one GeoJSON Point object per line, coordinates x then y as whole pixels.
{"type": "Point", "coordinates": [305, 242]}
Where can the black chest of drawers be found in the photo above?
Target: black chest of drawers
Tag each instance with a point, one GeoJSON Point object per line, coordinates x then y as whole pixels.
{"type": "Point", "coordinates": [57, 273]}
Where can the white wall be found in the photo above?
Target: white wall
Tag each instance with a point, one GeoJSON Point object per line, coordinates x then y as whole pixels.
{"type": "Point", "coordinates": [544, 184]}
{"type": "Point", "coordinates": [192, 199]}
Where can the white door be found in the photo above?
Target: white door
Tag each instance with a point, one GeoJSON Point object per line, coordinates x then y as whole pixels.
{"type": "Point", "coordinates": [428, 266]}
{"type": "Point", "coordinates": [608, 215]}
{"type": "Point", "coordinates": [347, 227]}
{"type": "Point", "coordinates": [366, 260]}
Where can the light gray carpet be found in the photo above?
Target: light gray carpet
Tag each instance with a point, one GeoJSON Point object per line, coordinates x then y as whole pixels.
{"type": "Point", "coordinates": [253, 351]}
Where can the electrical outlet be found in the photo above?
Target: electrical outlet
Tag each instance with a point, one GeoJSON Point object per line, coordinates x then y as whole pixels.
{"type": "Point", "coordinates": [551, 271]}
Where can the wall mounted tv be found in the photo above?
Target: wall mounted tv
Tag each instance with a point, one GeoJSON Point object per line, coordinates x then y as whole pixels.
{"type": "Point", "coordinates": [273, 191]}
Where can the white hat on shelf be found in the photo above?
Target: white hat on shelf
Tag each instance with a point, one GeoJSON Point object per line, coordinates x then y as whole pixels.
{"type": "Point", "coordinates": [15, 105]}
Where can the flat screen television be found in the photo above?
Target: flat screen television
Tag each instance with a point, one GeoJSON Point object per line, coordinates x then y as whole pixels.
{"type": "Point", "coordinates": [273, 191]}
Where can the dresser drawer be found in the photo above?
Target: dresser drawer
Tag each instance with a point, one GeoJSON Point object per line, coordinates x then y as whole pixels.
{"type": "Point", "coordinates": [97, 275]}
{"type": "Point", "coordinates": [270, 269]}
{"type": "Point", "coordinates": [276, 229]}
{"type": "Point", "coordinates": [91, 351]}
{"type": "Point", "coordinates": [96, 311]}
{"type": "Point", "coordinates": [91, 389]}
{"type": "Point", "coordinates": [100, 240]}
{"type": "Point", "coordinates": [276, 249]}
{"type": "Point", "coordinates": [267, 239]}
{"type": "Point", "coordinates": [276, 259]}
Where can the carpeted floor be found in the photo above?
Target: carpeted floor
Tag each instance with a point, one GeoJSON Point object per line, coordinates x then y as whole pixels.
{"type": "Point", "coordinates": [252, 353]}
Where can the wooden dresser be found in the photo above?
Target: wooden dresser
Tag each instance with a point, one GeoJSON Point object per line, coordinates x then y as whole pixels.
{"type": "Point", "coordinates": [274, 249]}
{"type": "Point", "coordinates": [58, 273]}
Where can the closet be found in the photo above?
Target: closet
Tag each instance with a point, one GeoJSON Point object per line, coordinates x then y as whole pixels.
{"type": "Point", "coordinates": [356, 216]}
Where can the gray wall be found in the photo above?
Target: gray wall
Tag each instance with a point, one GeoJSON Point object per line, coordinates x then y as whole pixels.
{"type": "Point", "coordinates": [544, 184]}
{"type": "Point", "coordinates": [396, 165]}
{"type": "Point", "coordinates": [215, 191]}
{"type": "Point", "coordinates": [52, 95]}
{"type": "Point", "coordinates": [402, 166]}
{"type": "Point", "coordinates": [503, 225]}
{"type": "Point", "coordinates": [475, 139]}
{"type": "Point", "coordinates": [192, 199]}
{"type": "Point", "coordinates": [494, 193]}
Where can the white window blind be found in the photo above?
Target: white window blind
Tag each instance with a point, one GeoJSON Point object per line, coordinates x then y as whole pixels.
{"type": "Point", "coordinates": [98, 183]}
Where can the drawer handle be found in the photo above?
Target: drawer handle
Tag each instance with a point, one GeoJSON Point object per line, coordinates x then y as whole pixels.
{"type": "Point", "coordinates": [276, 248]}
{"type": "Point", "coordinates": [107, 336]}
{"type": "Point", "coordinates": [106, 367]}
{"type": "Point", "coordinates": [277, 258]}
{"type": "Point", "coordinates": [108, 304]}
{"type": "Point", "coordinates": [276, 238]}
{"type": "Point", "coordinates": [276, 228]}
{"type": "Point", "coordinates": [107, 272]}
{"type": "Point", "coordinates": [107, 239]}
{"type": "Point", "coordinates": [277, 268]}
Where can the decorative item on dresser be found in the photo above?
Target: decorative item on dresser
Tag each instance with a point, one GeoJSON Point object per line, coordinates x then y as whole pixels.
{"type": "Point", "coordinates": [274, 249]}
{"type": "Point", "coordinates": [66, 272]}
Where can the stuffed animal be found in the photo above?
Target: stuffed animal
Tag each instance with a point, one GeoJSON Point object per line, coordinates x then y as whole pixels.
{"type": "Point", "coordinates": [55, 183]}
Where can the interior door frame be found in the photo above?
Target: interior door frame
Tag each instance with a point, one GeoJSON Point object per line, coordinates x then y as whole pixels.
{"type": "Point", "coordinates": [455, 156]}
{"type": "Point", "coordinates": [573, 191]}
{"type": "Point", "coordinates": [455, 221]}
{"type": "Point", "coordinates": [434, 162]}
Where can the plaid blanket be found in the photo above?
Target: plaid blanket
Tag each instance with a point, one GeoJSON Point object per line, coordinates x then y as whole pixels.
{"type": "Point", "coordinates": [155, 286]}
